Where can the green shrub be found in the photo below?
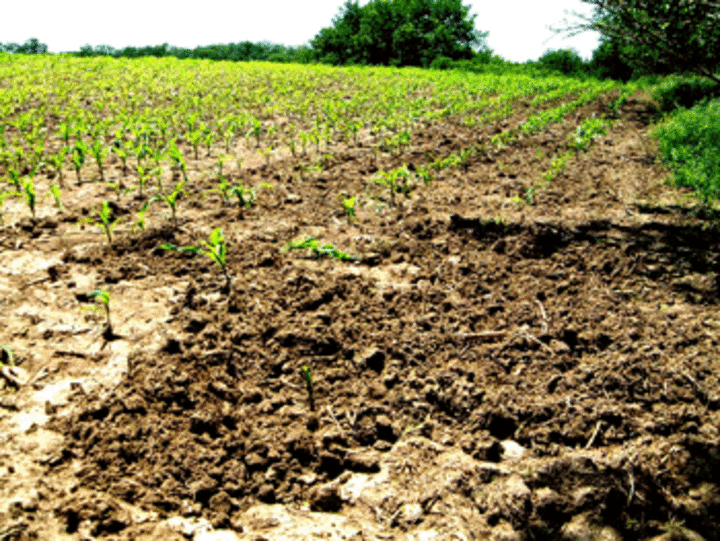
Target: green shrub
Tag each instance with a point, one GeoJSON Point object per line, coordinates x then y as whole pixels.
{"type": "Point", "coordinates": [677, 92]}
{"type": "Point", "coordinates": [690, 145]}
{"type": "Point", "coordinates": [565, 61]}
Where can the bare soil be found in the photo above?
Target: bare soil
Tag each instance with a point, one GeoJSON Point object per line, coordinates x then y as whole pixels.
{"type": "Point", "coordinates": [491, 366]}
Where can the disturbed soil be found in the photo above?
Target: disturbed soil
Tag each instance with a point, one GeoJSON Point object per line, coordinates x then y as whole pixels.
{"type": "Point", "coordinates": [493, 364]}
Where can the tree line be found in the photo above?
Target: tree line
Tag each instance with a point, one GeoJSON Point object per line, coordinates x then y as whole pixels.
{"type": "Point", "coordinates": [639, 37]}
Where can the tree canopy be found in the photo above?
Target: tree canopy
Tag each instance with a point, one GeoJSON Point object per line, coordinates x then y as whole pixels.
{"type": "Point", "coordinates": [659, 36]}
{"type": "Point", "coordinates": [31, 46]}
{"type": "Point", "coordinates": [399, 33]}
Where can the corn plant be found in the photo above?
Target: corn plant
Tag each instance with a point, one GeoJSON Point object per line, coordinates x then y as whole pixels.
{"type": "Point", "coordinates": [57, 161]}
{"type": "Point", "coordinates": [267, 154]}
{"type": "Point", "coordinates": [178, 161]}
{"type": "Point", "coordinates": [65, 132]}
{"type": "Point", "coordinates": [247, 196]}
{"type": "Point", "coordinates": [121, 151]}
{"type": "Point", "coordinates": [140, 222]}
{"type": "Point", "coordinates": [79, 151]}
{"type": "Point", "coordinates": [348, 205]}
{"type": "Point", "coordinates": [396, 181]}
{"type": "Point", "coordinates": [102, 300]}
{"type": "Point", "coordinates": [105, 222]}
{"type": "Point", "coordinates": [99, 152]}
{"type": "Point", "coordinates": [306, 375]}
{"type": "Point", "coordinates": [355, 128]}
{"type": "Point", "coordinates": [425, 174]}
{"type": "Point", "coordinates": [465, 157]}
{"type": "Point", "coordinates": [171, 200]}
{"type": "Point", "coordinates": [55, 194]}
{"type": "Point", "coordinates": [589, 130]}
{"type": "Point", "coordinates": [14, 177]}
{"type": "Point", "coordinates": [556, 167]}
{"type": "Point", "coordinates": [256, 130]}
{"type": "Point", "coordinates": [318, 249]}
{"type": "Point", "coordinates": [144, 174]}
{"type": "Point", "coordinates": [195, 137]}
{"type": "Point", "coordinates": [209, 138]}
{"type": "Point", "coordinates": [214, 248]}
{"type": "Point", "coordinates": [224, 189]}
{"type": "Point", "coordinates": [29, 193]}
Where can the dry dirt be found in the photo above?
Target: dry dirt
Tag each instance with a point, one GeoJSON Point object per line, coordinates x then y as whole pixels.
{"type": "Point", "coordinates": [488, 368]}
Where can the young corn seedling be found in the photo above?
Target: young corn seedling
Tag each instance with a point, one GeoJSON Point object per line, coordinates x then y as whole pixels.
{"type": "Point", "coordinates": [14, 177]}
{"type": "Point", "coordinates": [318, 249]}
{"type": "Point", "coordinates": [224, 189]}
{"type": "Point", "coordinates": [247, 196]}
{"type": "Point", "coordinates": [29, 193]}
{"type": "Point", "coordinates": [99, 152]}
{"type": "Point", "coordinates": [256, 130]}
{"type": "Point", "coordinates": [171, 200]}
{"type": "Point", "coordinates": [348, 205]}
{"type": "Point", "coordinates": [304, 140]}
{"type": "Point", "coordinates": [140, 222]}
{"type": "Point", "coordinates": [396, 181]}
{"type": "Point", "coordinates": [267, 154]}
{"type": "Point", "coordinates": [425, 174]}
{"type": "Point", "coordinates": [195, 138]}
{"type": "Point", "coordinates": [355, 128]}
{"type": "Point", "coordinates": [209, 138]}
{"type": "Point", "coordinates": [65, 132]}
{"type": "Point", "coordinates": [221, 160]}
{"type": "Point", "coordinates": [102, 304]}
{"type": "Point", "coordinates": [121, 151]}
{"type": "Point", "coordinates": [104, 222]}
{"type": "Point", "coordinates": [306, 374]}
{"type": "Point", "coordinates": [55, 194]}
{"type": "Point", "coordinates": [214, 248]}
{"type": "Point", "coordinates": [589, 130]}
{"type": "Point", "coordinates": [144, 174]}
{"type": "Point", "coordinates": [57, 161]}
{"type": "Point", "coordinates": [465, 158]}
{"type": "Point", "coordinates": [79, 151]}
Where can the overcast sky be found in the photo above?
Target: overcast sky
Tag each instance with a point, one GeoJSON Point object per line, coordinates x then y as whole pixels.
{"type": "Point", "coordinates": [518, 28]}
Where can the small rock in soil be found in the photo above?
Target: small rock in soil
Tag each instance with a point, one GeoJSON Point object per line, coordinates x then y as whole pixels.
{"type": "Point", "coordinates": [326, 498]}
{"type": "Point", "coordinates": [581, 528]}
{"type": "Point", "coordinates": [511, 450]}
{"type": "Point", "coordinates": [9, 403]}
{"type": "Point", "coordinates": [220, 503]}
{"type": "Point", "coordinates": [363, 462]}
{"type": "Point", "coordinates": [505, 532]}
{"type": "Point", "coordinates": [217, 535]}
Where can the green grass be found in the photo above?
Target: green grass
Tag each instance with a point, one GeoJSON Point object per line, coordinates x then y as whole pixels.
{"type": "Point", "coordinates": [690, 146]}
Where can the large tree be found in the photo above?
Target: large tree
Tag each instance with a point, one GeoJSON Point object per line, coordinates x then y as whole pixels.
{"type": "Point", "coordinates": [399, 33]}
{"type": "Point", "coordinates": [670, 35]}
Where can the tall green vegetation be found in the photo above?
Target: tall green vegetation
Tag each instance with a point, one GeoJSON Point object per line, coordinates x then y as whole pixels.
{"type": "Point", "coordinates": [399, 33]}
{"type": "Point", "coordinates": [673, 36]}
{"type": "Point", "coordinates": [689, 143]}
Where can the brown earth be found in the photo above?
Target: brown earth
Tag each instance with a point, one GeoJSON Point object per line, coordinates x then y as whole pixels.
{"type": "Point", "coordinates": [495, 364]}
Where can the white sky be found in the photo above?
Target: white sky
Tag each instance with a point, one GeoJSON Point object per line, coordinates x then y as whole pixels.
{"type": "Point", "coordinates": [518, 28]}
